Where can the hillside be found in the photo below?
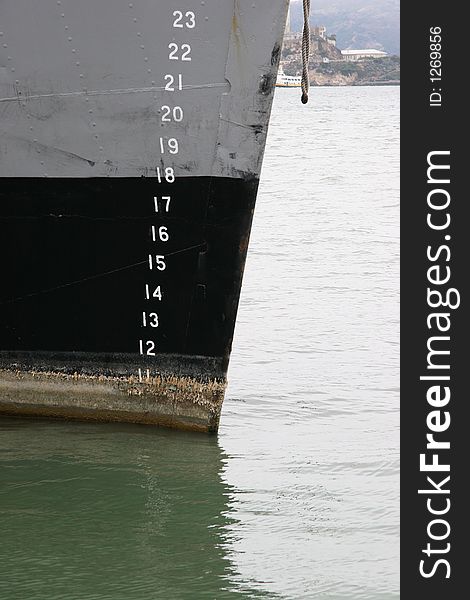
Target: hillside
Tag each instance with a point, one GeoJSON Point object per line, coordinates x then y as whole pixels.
{"type": "Point", "coordinates": [356, 23]}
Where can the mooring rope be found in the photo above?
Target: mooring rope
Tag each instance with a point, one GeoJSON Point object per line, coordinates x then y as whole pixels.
{"type": "Point", "coordinates": [305, 51]}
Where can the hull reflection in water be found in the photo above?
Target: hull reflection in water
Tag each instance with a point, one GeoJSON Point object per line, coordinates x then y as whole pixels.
{"type": "Point", "coordinates": [121, 512]}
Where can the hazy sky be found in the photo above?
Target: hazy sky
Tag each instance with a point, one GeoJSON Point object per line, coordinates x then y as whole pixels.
{"type": "Point", "coordinates": [357, 23]}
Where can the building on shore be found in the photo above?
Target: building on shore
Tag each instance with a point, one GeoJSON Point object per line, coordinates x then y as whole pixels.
{"type": "Point", "coordinates": [361, 54]}
{"type": "Point", "coordinates": [319, 31]}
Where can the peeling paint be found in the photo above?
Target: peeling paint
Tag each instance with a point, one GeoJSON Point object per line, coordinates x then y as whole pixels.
{"type": "Point", "coordinates": [276, 55]}
{"type": "Point", "coordinates": [267, 83]}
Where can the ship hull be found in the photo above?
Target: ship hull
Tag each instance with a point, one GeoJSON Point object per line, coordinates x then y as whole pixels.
{"type": "Point", "coordinates": [126, 200]}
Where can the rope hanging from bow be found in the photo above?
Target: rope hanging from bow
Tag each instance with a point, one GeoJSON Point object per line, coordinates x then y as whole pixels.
{"type": "Point", "coordinates": [305, 51]}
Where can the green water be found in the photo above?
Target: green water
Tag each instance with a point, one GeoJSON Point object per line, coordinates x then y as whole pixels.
{"type": "Point", "coordinates": [121, 512]}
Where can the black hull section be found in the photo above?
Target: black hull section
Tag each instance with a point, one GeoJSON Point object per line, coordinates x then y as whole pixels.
{"type": "Point", "coordinates": [76, 264]}
{"type": "Point", "coordinates": [100, 280]}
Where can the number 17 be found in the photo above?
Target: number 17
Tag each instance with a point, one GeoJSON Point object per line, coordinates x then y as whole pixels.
{"type": "Point", "coordinates": [166, 199]}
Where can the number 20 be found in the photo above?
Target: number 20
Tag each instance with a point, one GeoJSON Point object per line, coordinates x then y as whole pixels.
{"type": "Point", "coordinates": [168, 114]}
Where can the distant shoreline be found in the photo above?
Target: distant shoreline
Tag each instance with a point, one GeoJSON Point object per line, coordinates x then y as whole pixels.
{"type": "Point", "coordinates": [393, 82]}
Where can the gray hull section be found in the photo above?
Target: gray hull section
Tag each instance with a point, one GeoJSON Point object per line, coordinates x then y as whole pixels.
{"type": "Point", "coordinates": [88, 87]}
